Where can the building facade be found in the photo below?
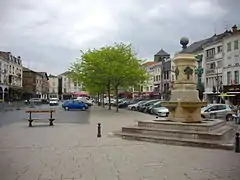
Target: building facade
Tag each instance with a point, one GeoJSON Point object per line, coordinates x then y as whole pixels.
{"type": "Point", "coordinates": [53, 86]}
{"type": "Point", "coordinates": [34, 84]}
{"type": "Point", "coordinates": [67, 86]}
{"type": "Point", "coordinates": [213, 68]}
{"type": "Point", "coordinates": [162, 74]}
{"type": "Point", "coordinates": [10, 76]}
{"type": "Point", "coordinates": [231, 65]}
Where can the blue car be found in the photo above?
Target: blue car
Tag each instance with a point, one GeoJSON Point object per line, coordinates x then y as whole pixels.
{"type": "Point", "coordinates": [74, 104]}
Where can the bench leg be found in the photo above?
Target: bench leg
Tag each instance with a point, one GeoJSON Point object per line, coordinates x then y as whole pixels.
{"type": "Point", "coordinates": [30, 123]}
{"type": "Point", "coordinates": [51, 122]}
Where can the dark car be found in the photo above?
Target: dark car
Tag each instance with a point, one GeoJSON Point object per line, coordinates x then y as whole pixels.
{"type": "Point", "coordinates": [155, 105]}
{"type": "Point", "coordinates": [124, 104]}
{"type": "Point", "coordinates": [144, 106]}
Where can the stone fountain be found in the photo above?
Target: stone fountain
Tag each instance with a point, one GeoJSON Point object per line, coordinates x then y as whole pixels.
{"type": "Point", "coordinates": [185, 105]}
{"type": "Point", "coordinates": [184, 126]}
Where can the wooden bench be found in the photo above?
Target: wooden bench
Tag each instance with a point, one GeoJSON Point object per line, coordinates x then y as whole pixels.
{"type": "Point", "coordinates": [50, 111]}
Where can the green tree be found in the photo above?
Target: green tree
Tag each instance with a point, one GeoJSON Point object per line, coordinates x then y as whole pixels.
{"type": "Point", "coordinates": [108, 67]}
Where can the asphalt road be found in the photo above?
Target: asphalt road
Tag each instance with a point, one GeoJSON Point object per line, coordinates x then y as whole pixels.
{"type": "Point", "coordinates": [61, 116]}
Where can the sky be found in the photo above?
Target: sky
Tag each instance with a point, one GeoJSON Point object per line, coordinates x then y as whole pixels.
{"type": "Point", "coordinates": [49, 34]}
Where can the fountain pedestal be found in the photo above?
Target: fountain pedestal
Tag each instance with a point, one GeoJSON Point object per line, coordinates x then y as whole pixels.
{"type": "Point", "coordinates": [185, 105]}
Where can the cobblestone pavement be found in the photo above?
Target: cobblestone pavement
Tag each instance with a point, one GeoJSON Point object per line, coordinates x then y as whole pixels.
{"type": "Point", "coordinates": [72, 151]}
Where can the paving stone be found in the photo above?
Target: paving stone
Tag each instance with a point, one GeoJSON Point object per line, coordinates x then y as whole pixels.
{"type": "Point", "coordinates": [72, 151]}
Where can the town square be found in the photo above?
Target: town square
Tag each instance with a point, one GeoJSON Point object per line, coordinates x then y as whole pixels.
{"type": "Point", "coordinates": [93, 100]}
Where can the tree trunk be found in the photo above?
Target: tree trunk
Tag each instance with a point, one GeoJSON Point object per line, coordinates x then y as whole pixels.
{"type": "Point", "coordinates": [98, 99]}
{"type": "Point", "coordinates": [103, 105]}
{"type": "Point", "coordinates": [116, 92]}
{"type": "Point", "coordinates": [109, 96]}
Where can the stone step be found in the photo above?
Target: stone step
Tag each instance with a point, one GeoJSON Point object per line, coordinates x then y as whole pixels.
{"type": "Point", "coordinates": [221, 134]}
{"type": "Point", "coordinates": [205, 126]}
{"type": "Point", "coordinates": [176, 141]}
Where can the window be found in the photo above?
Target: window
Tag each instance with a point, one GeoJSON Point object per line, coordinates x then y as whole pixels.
{"type": "Point", "coordinates": [219, 49]}
{"type": "Point", "coordinates": [212, 65]}
{"type": "Point", "coordinates": [229, 78]}
{"type": "Point", "coordinates": [236, 77]}
{"type": "Point", "coordinates": [229, 46]}
{"type": "Point", "coordinates": [235, 44]}
{"type": "Point", "coordinates": [210, 53]}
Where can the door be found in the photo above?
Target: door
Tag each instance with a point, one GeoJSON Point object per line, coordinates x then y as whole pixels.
{"type": "Point", "coordinates": [221, 111]}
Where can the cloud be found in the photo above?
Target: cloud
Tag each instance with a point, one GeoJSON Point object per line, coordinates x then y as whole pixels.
{"type": "Point", "coordinates": [49, 34]}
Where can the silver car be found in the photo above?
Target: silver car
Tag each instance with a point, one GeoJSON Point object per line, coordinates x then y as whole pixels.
{"type": "Point", "coordinates": [161, 111]}
{"type": "Point", "coordinates": [217, 111]}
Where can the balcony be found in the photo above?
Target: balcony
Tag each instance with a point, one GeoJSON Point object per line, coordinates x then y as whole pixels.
{"type": "Point", "coordinates": [209, 58]}
{"type": "Point", "coordinates": [213, 71]}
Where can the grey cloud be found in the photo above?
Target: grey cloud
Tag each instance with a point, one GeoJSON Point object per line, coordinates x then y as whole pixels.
{"type": "Point", "coordinates": [50, 41]}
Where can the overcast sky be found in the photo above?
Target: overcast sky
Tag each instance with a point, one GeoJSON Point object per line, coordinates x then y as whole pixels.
{"type": "Point", "coordinates": [48, 34]}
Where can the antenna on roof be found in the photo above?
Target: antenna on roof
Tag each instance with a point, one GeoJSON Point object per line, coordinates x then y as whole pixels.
{"type": "Point", "coordinates": [214, 29]}
{"type": "Point", "coordinates": [226, 25]}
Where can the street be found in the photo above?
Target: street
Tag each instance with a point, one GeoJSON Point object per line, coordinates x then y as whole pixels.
{"type": "Point", "coordinates": [62, 116]}
{"type": "Point", "coordinates": [71, 150]}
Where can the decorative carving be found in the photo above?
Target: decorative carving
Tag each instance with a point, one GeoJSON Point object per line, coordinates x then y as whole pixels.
{"type": "Point", "coordinates": [188, 71]}
{"type": "Point", "coordinates": [176, 73]}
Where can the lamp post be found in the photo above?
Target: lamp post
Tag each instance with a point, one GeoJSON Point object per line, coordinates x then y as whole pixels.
{"type": "Point", "coordinates": [199, 72]}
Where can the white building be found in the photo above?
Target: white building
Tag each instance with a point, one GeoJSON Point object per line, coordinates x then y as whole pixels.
{"type": "Point", "coordinates": [231, 64]}
{"type": "Point", "coordinates": [67, 86]}
{"type": "Point", "coordinates": [147, 87]}
{"type": "Point", "coordinates": [53, 86]}
{"type": "Point", "coordinates": [10, 76]}
{"type": "Point", "coordinates": [213, 65]}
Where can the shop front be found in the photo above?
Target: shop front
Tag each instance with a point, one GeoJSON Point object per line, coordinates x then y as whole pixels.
{"type": "Point", "coordinates": [234, 91]}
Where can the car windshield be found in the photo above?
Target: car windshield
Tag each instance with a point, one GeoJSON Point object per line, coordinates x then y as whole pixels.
{"type": "Point", "coordinates": [157, 104]}
{"type": "Point", "coordinates": [141, 102]}
{"type": "Point", "coordinates": [53, 99]}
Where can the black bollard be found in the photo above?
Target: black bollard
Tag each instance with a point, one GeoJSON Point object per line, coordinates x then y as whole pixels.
{"type": "Point", "coordinates": [237, 148]}
{"type": "Point", "coordinates": [99, 130]}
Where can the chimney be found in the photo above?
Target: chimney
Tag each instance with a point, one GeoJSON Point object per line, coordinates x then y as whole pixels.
{"type": "Point", "coordinates": [234, 29]}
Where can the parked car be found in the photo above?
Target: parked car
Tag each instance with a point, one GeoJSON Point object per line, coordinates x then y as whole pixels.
{"type": "Point", "coordinates": [217, 111]}
{"type": "Point", "coordinates": [114, 102]}
{"type": "Point", "coordinates": [124, 103]}
{"type": "Point", "coordinates": [161, 112]}
{"type": "Point", "coordinates": [33, 101]}
{"type": "Point", "coordinates": [53, 102]}
{"type": "Point", "coordinates": [135, 106]}
{"type": "Point", "coordinates": [144, 106]}
{"type": "Point", "coordinates": [74, 104]}
{"type": "Point", "coordinates": [155, 105]}
{"type": "Point", "coordinates": [86, 100]}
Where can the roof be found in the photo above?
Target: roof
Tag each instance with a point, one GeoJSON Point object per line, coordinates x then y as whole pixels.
{"type": "Point", "coordinates": [44, 74]}
{"type": "Point", "coordinates": [29, 70]}
{"type": "Point", "coordinates": [198, 45]}
{"type": "Point", "coordinates": [149, 63]}
{"type": "Point", "coordinates": [162, 53]}
{"type": "Point", "coordinates": [5, 55]}
{"type": "Point", "coordinates": [64, 74]}
{"type": "Point", "coordinates": [53, 76]}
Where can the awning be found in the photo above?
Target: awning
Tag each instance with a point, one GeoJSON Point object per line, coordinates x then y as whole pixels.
{"type": "Point", "coordinates": [80, 93]}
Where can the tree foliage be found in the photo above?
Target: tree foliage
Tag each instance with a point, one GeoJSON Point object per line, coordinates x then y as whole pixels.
{"type": "Point", "coordinates": [110, 67]}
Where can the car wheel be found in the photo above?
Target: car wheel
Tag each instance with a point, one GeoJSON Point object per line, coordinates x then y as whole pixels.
{"type": "Point", "coordinates": [202, 116]}
{"type": "Point", "coordinates": [66, 108]}
{"type": "Point", "coordinates": [229, 117]}
{"type": "Point", "coordinates": [83, 108]}
{"type": "Point", "coordinates": [133, 108]}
